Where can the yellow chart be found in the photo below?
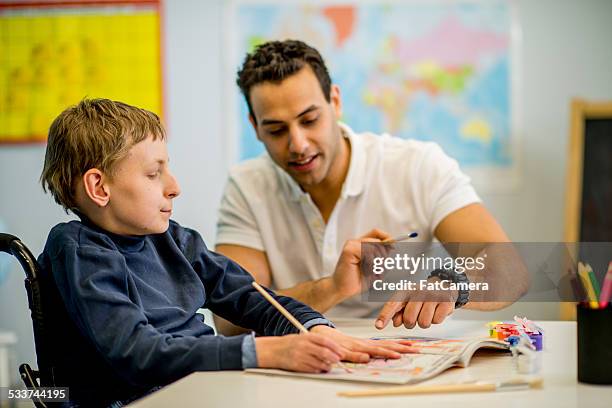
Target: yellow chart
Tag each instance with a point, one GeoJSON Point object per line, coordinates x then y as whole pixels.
{"type": "Point", "coordinates": [52, 57]}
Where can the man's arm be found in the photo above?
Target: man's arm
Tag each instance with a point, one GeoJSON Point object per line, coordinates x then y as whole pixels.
{"type": "Point", "coordinates": [321, 294]}
{"type": "Point", "coordinates": [475, 224]}
{"type": "Point", "coordinates": [470, 224]}
{"type": "Point", "coordinates": [318, 294]}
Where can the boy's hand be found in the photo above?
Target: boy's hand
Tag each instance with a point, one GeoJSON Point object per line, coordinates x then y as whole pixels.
{"type": "Point", "coordinates": [308, 352]}
{"type": "Point", "coordinates": [360, 350]}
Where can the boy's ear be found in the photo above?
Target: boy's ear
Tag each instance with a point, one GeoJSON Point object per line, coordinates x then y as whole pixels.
{"type": "Point", "coordinates": [95, 186]}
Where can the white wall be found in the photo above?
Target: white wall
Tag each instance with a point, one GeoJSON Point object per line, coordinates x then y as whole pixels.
{"type": "Point", "coordinates": [565, 53]}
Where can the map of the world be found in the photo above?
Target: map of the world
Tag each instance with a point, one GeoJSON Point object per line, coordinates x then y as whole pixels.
{"type": "Point", "coordinates": [437, 71]}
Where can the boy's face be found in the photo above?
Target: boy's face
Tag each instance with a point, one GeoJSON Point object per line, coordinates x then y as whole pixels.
{"type": "Point", "coordinates": [298, 126]}
{"type": "Point", "coordinates": [141, 190]}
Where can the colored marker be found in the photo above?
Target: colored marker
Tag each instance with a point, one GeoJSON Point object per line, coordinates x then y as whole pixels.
{"type": "Point", "coordinates": [606, 290]}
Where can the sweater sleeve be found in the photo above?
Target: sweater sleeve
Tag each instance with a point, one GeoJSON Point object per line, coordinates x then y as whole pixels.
{"type": "Point", "coordinates": [94, 284]}
{"type": "Point", "coordinates": [230, 294]}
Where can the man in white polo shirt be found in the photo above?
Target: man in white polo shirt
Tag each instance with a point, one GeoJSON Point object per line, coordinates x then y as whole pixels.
{"type": "Point", "coordinates": [287, 215]}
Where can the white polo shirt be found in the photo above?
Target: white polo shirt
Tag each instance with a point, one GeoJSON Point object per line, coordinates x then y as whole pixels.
{"type": "Point", "coordinates": [396, 185]}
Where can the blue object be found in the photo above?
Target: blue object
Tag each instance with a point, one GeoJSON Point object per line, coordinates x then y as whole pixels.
{"type": "Point", "coordinates": [513, 340]}
{"type": "Point", "coordinates": [536, 340]}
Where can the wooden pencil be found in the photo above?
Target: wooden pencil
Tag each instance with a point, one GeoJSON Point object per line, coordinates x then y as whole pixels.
{"type": "Point", "coordinates": [445, 388]}
{"type": "Point", "coordinates": [289, 316]}
{"type": "Point", "coordinates": [280, 308]}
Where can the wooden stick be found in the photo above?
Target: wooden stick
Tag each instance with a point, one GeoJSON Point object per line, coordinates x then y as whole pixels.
{"type": "Point", "coordinates": [289, 316]}
{"type": "Point", "coordinates": [442, 388]}
{"type": "Point", "coordinates": [280, 308]}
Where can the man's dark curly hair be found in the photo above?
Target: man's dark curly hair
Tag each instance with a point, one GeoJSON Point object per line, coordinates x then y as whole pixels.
{"type": "Point", "coordinates": [276, 60]}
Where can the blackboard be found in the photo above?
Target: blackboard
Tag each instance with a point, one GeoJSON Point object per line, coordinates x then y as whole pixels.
{"type": "Point", "coordinates": [596, 202]}
{"type": "Point", "coordinates": [588, 216]}
{"type": "Point", "coordinates": [588, 202]}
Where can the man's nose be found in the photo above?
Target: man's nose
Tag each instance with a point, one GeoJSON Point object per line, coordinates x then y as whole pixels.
{"type": "Point", "coordinates": [298, 143]}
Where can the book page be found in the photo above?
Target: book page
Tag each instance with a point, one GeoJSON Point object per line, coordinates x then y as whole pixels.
{"type": "Point", "coordinates": [409, 368]}
{"type": "Point", "coordinates": [432, 356]}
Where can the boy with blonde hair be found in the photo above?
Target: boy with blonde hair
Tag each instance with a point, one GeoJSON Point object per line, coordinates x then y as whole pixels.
{"type": "Point", "coordinates": [130, 280]}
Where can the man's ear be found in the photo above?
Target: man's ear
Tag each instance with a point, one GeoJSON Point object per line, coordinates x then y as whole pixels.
{"type": "Point", "coordinates": [254, 124]}
{"type": "Point", "coordinates": [96, 188]}
{"type": "Point", "coordinates": [335, 100]}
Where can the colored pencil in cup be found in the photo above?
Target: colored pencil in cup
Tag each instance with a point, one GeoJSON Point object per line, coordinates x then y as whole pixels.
{"type": "Point", "coordinates": [588, 286]}
{"type": "Point", "coordinates": [594, 281]}
{"type": "Point", "coordinates": [606, 288]}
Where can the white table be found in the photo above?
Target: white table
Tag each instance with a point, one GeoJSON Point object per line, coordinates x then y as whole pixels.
{"type": "Point", "coordinates": [239, 389]}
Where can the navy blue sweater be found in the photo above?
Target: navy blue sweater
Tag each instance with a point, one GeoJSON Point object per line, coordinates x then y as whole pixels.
{"type": "Point", "coordinates": [125, 319]}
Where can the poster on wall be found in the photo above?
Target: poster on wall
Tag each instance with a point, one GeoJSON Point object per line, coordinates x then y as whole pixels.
{"type": "Point", "coordinates": [441, 71]}
{"type": "Point", "coordinates": [55, 53]}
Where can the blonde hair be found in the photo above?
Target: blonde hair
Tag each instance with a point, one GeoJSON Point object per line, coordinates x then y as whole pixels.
{"type": "Point", "coordinates": [96, 133]}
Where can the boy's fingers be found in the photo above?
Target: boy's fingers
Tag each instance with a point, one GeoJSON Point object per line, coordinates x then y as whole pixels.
{"type": "Point", "coordinates": [376, 351]}
{"type": "Point", "coordinates": [326, 355]}
{"type": "Point", "coordinates": [374, 348]}
{"type": "Point", "coordinates": [319, 357]}
{"type": "Point", "coordinates": [387, 312]}
{"type": "Point", "coordinates": [396, 346]}
{"type": "Point", "coordinates": [323, 366]}
{"type": "Point", "coordinates": [326, 342]}
{"type": "Point", "coordinates": [312, 366]}
{"type": "Point", "coordinates": [355, 356]}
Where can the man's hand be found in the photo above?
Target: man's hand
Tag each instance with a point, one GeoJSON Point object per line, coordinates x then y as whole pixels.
{"type": "Point", "coordinates": [360, 350]}
{"type": "Point", "coordinates": [347, 276]}
{"type": "Point", "coordinates": [418, 310]}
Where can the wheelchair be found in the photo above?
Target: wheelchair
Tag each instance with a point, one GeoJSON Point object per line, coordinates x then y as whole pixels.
{"type": "Point", "coordinates": [43, 377]}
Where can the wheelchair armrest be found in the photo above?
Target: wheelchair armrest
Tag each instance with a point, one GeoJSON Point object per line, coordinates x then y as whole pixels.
{"type": "Point", "coordinates": [31, 379]}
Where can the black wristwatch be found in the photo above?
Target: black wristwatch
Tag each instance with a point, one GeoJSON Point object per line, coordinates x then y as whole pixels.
{"type": "Point", "coordinates": [452, 276]}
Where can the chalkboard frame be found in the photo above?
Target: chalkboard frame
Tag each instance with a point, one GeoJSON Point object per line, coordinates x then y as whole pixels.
{"type": "Point", "coordinates": [581, 111]}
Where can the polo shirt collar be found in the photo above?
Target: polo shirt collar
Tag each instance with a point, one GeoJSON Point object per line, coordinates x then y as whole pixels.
{"type": "Point", "coordinates": [355, 178]}
{"type": "Point", "coordinates": [354, 184]}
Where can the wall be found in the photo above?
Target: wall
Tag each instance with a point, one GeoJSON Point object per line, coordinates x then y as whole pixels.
{"type": "Point", "coordinates": [565, 53]}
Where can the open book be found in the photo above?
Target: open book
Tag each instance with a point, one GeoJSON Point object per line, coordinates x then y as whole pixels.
{"type": "Point", "coordinates": [432, 356]}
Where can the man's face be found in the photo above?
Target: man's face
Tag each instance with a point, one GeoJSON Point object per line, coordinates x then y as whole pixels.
{"type": "Point", "coordinates": [298, 126]}
{"type": "Point", "coordinates": [142, 190]}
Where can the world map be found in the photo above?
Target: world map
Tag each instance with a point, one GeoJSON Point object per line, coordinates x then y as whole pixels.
{"type": "Point", "coordinates": [436, 71]}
